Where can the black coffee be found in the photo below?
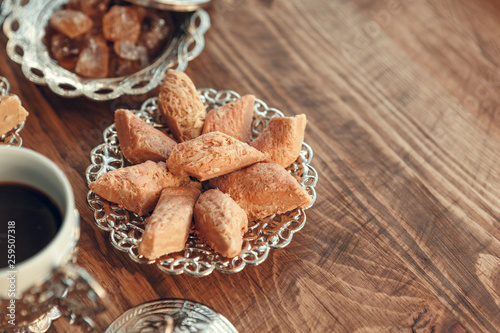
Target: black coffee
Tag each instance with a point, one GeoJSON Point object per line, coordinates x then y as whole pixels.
{"type": "Point", "coordinates": [29, 220]}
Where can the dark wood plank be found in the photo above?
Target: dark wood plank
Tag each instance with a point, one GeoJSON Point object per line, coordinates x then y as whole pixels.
{"type": "Point", "coordinates": [403, 119]}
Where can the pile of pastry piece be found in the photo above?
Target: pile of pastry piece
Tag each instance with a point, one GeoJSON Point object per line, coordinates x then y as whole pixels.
{"type": "Point", "coordinates": [212, 173]}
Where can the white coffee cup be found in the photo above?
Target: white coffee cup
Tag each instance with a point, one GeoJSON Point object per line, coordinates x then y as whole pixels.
{"type": "Point", "coordinates": [25, 166]}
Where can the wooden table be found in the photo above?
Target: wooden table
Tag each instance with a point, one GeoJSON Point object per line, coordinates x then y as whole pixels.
{"type": "Point", "coordinates": [404, 120]}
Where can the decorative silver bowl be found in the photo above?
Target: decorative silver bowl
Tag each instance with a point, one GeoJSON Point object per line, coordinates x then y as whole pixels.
{"type": "Point", "coordinates": [197, 259]}
{"type": "Point", "coordinates": [25, 28]}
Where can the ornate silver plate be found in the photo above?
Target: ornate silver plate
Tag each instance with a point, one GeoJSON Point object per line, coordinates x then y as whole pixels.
{"type": "Point", "coordinates": [172, 316]}
{"type": "Point", "coordinates": [25, 28]}
{"type": "Point", "coordinates": [197, 259]}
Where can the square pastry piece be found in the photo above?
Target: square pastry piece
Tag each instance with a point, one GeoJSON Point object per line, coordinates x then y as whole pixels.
{"type": "Point", "coordinates": [211, 155]}
{"type": "Point", "coordinates": [139, 141]}
{"type": "Point", "coordinates": [220, 222]}
{"type": "Point", "coordinates": [263, 189]}
{"type": "Point", "coordinates": [167, 229]}
{"type": "Point", "coordinates": [11, 113]}
{"type": "Point", "coordinates": [138, 187]}
{"type": "Point", "coordinates": [180, 106]}
{"type": "Point", "coordinates": [234, 119]}
{"type": "Point", "coordinates": [282, 139]}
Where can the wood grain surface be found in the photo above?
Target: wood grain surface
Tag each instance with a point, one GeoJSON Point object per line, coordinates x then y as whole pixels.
{"type": "Point", "coordinates": [404, 120]}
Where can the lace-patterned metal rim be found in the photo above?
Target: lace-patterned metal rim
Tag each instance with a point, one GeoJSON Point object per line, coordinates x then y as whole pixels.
{"type": "Point", "coordinates": [25, 47]}
{"type": "Point", "coordinates": [5, 9]}
{"type": "Point", "coordinates": [13, 137]}
{"type": "Point", "coordinates": [197, 259]}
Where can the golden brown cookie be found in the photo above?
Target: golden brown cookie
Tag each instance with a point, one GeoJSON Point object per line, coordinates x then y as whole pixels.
{"type": "Point", "coordinates": [211, 155]}
{"type": "Point", "coordinates": [180, 106]}
{"type": "Point", "coordinates": [220, 222]}
{"type": "Point", "coordinates": [138, 187]}
{"type": "Point", "coordinates": [234, 118]}
{"type": "Point", "coordinates": [139, 141]}
{"type": "Point", "coordinates": [263, 189]}
{"type": "Point", "coordinates": [167, 229]}
{"type": "Point", "coordinates": [282, 139]}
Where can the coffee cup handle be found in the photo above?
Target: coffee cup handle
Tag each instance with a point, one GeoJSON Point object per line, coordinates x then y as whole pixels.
{"type": "Point", "coordinates": [83, 297]}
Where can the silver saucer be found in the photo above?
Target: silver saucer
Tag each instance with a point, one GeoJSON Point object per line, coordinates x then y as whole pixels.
{"type": "Point", "coordinates": [172, 316]}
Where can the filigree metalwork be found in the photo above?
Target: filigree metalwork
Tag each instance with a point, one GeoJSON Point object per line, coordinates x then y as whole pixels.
{"type": "Point", "coordinates": [69, 291]}
{"type": "Point", "coordinates": [198, 259]}
{"type": "Point", "coordinates": [171, 315]}
{"type": "Point", "coordinates": [26, 47]}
